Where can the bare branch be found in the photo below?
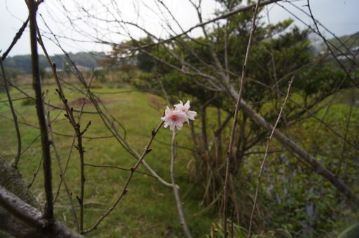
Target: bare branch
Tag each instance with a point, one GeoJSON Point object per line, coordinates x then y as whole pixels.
{"type": "Point", "coordinates": [125, 187]}
{"type": "Point", "coordinates": [32, 216]}
{"type": "Point", "coordinates": [16, 38]}
{"type": "Point", "coordinates": [49, 214]}
{"type": "Point", "coordinates": [265, 157]}
{"type": "Point", "coordinates": [14, 116]}
{"type": "Point", "coordinates": [238, 106]}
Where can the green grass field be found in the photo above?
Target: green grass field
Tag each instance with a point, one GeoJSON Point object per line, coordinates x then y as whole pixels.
{"type": "Point", "coordinates": [148, 209]}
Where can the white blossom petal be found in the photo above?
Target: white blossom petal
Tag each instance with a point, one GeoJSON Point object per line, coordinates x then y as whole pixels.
{"type": "Point", "coordinates": [174, 118]}
{"type": "Point", "coordinates": [191, 115]}
{"type": "Point", "coordinates": [187, 105]}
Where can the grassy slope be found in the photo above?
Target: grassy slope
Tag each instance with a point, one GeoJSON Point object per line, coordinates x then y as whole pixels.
{"type": "Point", "coordinates": [148, 210]}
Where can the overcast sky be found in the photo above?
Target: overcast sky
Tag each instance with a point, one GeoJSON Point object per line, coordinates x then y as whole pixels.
{"type": "Point", "coordinates": [340, 16]}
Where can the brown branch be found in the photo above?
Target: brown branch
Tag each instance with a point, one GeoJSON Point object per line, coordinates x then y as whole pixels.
{"type": "Point", "coordinates": [32, 216]}
{"type": "Point", "coordinates": [202, 24]}
{"type": "Point", "coordinates": [66, 166]}
{"type": "Point", "coordinates": [106, 166]}
{"type": "Point", "coordinates": [6, 86]}
{"type": "Point", "coordinates": [347, 126]}
{"type": "Point", "coordinates": [265, 157]}
{"type": "Point", "coordinates": [78, 132]}
{"type": "Point", "coordinates": [106, 119]}
{"type": "Point", "coordinates": [16, 38]}
{"type": "Point", "coordinates": [14, 116]}
{"type": "Point", "coordinates": [34, 176]}
{"type": "Point", "coordinates": [301, 154]}
{"type": "Point", "coordinates": [45, 143]}
{"type": "Point", "coordinates": [331, 33]}
{"type": "Point", "coordinates": [62, 175]}
{"type": "Point", "coordinates": [328, 46]}
{"type": "Point", "coordinates": [238, 106]}
{"type": "Point", "coordinates": [129, 179]}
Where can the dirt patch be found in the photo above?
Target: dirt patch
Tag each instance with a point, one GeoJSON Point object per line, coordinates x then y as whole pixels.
{"type": "Point", "coordinates": [155, 102]}
{"type": "Point", "coordinates": [81, 101]}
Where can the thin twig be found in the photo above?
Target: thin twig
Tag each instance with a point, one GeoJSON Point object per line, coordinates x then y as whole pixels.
{"type": "Point", "coordinates": [125, 187]}
{"type": "Point", "coordinates": [14, 116]}
{"type": "Point", "coordinates": [66, 166]}
{"type": "Point", "coordinates": [106, 119]}
{"type": "Point", "coordinates": [328, 46]}
{"type": "Point", "coordinates": [180, 212]}
{"type": "Point", "coordinates": [265, 157]}
{"type": "Point", "coordinates": [16, 38]}
{"type": "Point", "coordinates": [34, 176]}
{"type": "Point", "coordinates": [238, 104]}
{"type": "Point", "coordinates": [77, 130]}
{"type": "Point", "coordinates": [240, 8]}
{"type": "Point", "coordinates": [347, 126]}
{"type": "Point", "coordinates": [106, 166]}
{"type": "Point", "coordinates": [62, 175]}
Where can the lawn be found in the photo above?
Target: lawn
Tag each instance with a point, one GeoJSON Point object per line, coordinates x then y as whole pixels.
{"type": "Point", "coordinates": [148, 209]}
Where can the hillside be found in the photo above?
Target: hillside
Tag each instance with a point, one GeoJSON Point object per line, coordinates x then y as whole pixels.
{"type": "Point", "coordinates": [22, 63]}
{"type": "Point", "coordinates": [345, 42]}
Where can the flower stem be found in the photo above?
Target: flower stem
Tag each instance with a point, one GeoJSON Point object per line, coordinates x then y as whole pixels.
{"type": "Point", "coordinates": [176, 189]}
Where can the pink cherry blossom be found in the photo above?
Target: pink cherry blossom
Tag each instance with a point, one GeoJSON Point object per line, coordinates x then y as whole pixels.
{"type": "Point", "coordinates": [185, 108]}
{"type": "Point", "coordinates": [174, 118]}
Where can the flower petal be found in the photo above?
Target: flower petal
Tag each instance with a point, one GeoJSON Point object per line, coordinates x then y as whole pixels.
{"type": "Point", "coordinates": [174, 118]}
{"type": "Point", "coordinates": [187, 105]}
{"type": "Point", "coordinates": [191, 115]}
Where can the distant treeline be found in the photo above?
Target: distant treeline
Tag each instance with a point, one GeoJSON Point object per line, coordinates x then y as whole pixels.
{"type": "Point", "coordinates": [22, 63]}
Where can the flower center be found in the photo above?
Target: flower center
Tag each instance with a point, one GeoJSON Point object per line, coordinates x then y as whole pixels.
{"type": "Point", "coordinates": [173, 117]}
